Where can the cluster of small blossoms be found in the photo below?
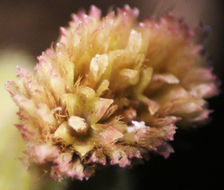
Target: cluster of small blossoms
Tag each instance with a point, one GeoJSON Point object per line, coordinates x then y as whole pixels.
{"type": "Point", "coordinates": [110, 91]}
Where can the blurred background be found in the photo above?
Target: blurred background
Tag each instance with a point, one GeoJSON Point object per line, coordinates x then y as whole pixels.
{"type": "Point", "coordinates": [28, 27]}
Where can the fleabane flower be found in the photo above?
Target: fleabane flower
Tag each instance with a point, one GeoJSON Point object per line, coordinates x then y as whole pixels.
{"type": "Point", "coordinates": [110, 91]}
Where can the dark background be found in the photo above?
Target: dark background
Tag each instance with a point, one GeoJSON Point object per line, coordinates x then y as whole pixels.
{"type": "Point", "coordinates": [197, 163]}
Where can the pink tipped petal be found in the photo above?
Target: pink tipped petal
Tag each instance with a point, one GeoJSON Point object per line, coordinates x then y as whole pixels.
{"type": "Point", "coordinates": [44, 153]}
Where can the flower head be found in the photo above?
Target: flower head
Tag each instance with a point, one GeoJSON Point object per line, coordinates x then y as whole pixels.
{"type": "Point", "coordinates": [110, 91]}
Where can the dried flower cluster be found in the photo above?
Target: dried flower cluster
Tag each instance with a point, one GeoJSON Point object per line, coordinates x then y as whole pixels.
{"type": "Point", "coordinates": [110, 91]}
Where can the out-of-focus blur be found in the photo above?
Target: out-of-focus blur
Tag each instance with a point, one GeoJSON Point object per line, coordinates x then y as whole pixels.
{"type": "Point", "coordinates": [13, 174]}
{"type": "Point", "coordinates": [34, 25]}
{"type": "Point", "coordinates": [31, 26]}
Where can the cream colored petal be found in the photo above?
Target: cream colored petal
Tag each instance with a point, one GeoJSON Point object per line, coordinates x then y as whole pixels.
{"type": "Point", "coordinates": [65, 133]}
{"type": "Point", "coordinates": [100, 108]}
{"type": "Point", "coordinates": [134, 41]}
{"type": "Point", "coordinates": [98, 66]}
{"type": "Point", "coordinates": [167, 78]}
